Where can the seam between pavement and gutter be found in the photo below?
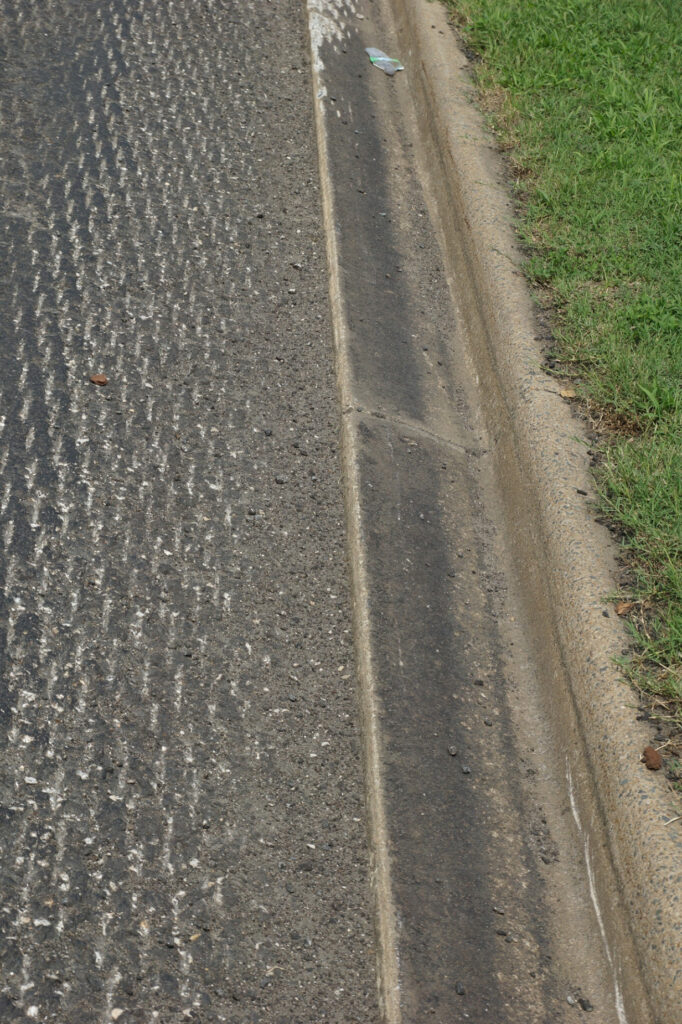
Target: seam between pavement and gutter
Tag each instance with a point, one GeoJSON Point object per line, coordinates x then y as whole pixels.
{"type": "Point", "coordinates": [540, 463]}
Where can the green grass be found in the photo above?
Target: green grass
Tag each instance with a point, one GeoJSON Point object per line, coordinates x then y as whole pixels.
{"type": "Point", "coordinates": [587, 97]}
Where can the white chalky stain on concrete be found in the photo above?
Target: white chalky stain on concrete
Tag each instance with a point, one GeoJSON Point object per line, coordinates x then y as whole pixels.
{"type": "Point", "coordinates": [620, 1007]}
{"type": "Point", "coordinates": [328, 20]}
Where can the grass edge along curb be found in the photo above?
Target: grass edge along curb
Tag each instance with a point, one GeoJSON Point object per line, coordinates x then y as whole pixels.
{"type": "Point", "coordinates": [591, 118]}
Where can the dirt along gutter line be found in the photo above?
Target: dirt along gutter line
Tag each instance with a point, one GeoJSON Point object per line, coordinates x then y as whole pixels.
{"type": "Point", "coordinates": [564, 562]}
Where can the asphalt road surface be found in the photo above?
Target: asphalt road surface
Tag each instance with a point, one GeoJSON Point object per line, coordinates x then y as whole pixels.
{"type": "Point", "coordinates": [182, 830]}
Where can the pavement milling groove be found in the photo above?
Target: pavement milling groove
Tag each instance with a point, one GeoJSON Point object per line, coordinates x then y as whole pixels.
{"type": "Point", "coordinates": [182, 833]}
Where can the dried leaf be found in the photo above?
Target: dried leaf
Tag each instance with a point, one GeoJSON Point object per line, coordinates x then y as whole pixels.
{"type": "Point", "coordinates": [567, 393]}
{"type": "Point", "coordinates": [99, 378]}
{"type": "Point", "coordinates": [652, 759]}
{"type": "Point", "coordinates": [623, 607]}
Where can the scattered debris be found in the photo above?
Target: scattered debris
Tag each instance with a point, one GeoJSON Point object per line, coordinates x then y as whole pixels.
{"type": "Point", "coordinates": [452, 751]}
{"type": "Point", "coordinates": [652, 759]}
{"type": "Point", "coordinates": [381, 60]}
{"type": "Point", "coordinates": [460, 989]}
{"type": "Point", "coordinates": [100, 379]}
{"type": "Point", "coordinates": [576, 998]}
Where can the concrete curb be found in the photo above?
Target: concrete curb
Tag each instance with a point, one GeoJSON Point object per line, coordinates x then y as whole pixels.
{"type": "Point", "coordinates": [563, 559]}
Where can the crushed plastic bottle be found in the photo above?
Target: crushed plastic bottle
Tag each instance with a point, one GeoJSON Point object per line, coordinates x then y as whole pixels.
{"type": "Point", "coordinates": [381, 60]}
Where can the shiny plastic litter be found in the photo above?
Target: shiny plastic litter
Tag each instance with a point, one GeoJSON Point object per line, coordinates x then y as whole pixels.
{"type": "Point", "coordinates": [381, 60]}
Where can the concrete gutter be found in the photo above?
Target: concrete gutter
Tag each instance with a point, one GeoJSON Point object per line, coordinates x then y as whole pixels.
{"type": "Point", "coordinates": [564, 561]}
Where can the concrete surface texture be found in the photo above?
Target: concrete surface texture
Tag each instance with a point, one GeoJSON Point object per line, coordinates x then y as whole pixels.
{"type": "Point", "coordinates": [182, 832]}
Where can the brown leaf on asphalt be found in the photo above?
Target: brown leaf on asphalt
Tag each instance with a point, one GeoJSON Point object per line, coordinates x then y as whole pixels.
{"type": "Point", "coordinates": [99, 378]}
{"type": "Point", "coordinates": [652, 759]}
{"type": "Point", "coordinates": [623, 607]}
{"type": "Point", "coordinates": [567, 393]}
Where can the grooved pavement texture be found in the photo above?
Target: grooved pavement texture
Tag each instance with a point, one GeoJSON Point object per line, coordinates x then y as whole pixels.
{"type": "Point", "coordinates": [181, 832]}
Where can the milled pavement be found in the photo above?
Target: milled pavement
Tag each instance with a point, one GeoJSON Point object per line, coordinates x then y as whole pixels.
{"type": "Point", "coordinates": [182, 830]}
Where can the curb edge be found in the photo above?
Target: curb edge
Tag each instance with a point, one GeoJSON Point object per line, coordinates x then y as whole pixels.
{"type": "Point", "coordinates": [567, 559]}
